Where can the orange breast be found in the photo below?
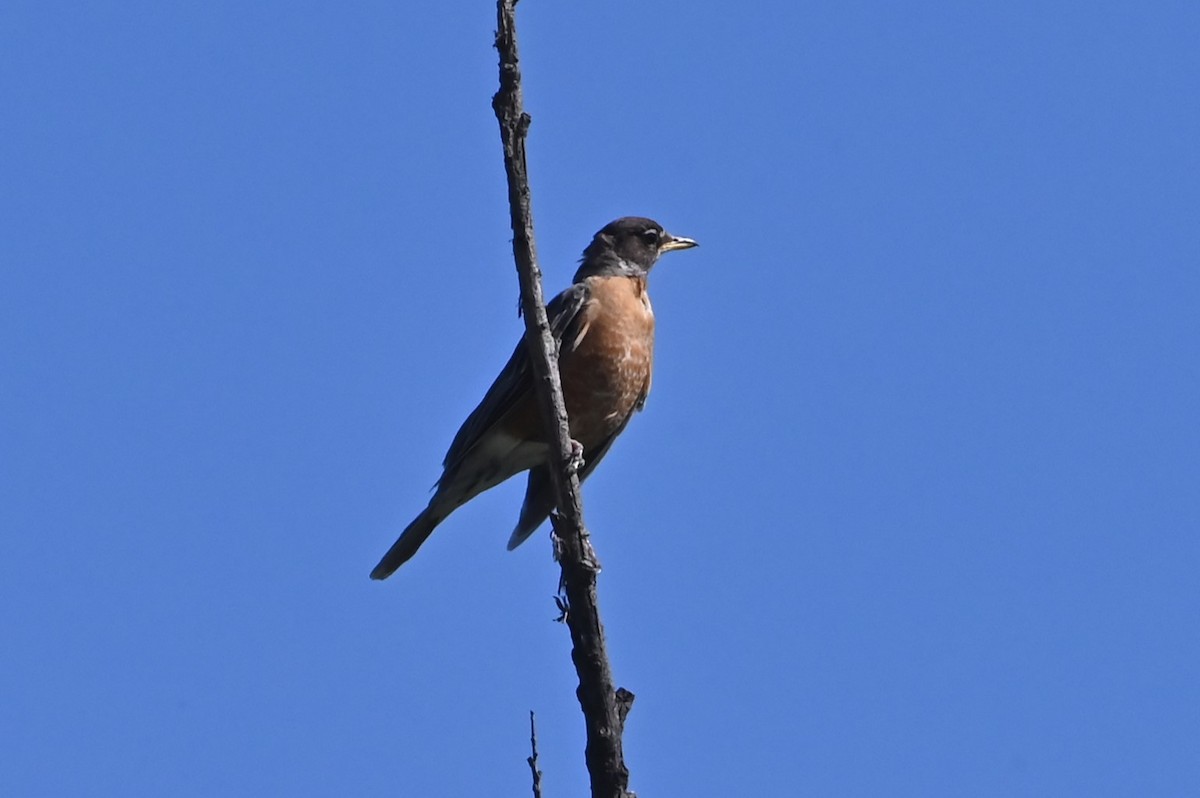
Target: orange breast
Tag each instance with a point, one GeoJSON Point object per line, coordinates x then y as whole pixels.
{"type": "Point", "coordinates": [608, 372]}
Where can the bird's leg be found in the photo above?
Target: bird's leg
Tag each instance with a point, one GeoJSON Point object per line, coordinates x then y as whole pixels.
{"type": "Point", "coordinates": [576, 461]}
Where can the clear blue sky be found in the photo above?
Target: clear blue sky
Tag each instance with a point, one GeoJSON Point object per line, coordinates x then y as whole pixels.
{"type": "Point", "coordinates": [912, 509]}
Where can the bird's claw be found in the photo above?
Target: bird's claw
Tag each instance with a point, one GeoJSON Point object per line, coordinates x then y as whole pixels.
{"type": "Point", "coordinates": [575, 464]}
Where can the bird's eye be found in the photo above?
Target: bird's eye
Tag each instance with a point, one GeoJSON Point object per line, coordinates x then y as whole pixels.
{"type": "Point", "coordinates": [650, 237]}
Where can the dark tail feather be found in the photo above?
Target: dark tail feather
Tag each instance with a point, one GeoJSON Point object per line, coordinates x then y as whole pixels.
{"type": "Point", "coordinates": [539, 501]}
{"type": "Point", "coordinates": [407, 544]}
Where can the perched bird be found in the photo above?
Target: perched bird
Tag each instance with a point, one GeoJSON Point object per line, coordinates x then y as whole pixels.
{"type": "Point", "coordinates": [604, 327]}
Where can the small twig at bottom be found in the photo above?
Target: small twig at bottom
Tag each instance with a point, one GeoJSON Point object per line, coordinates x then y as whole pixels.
{"type": "Point", "coordinates": [532, 760]}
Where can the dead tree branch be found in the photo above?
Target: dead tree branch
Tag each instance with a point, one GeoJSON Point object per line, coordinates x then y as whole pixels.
{"type": "Point", "coordinates": [532, 758]}
{"type": "Point", "coordinates": [604, 714]}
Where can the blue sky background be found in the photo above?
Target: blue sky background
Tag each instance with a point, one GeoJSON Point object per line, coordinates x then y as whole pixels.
{"type": "Point", "coordinates": [913, 507]}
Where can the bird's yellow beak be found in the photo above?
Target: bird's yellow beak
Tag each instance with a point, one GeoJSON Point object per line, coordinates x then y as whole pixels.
{"type": "Point", "coordinates": [670, 242]}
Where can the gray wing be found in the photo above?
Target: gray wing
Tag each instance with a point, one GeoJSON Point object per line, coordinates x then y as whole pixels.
{"type": "Point", "coordinates": [516, 380]}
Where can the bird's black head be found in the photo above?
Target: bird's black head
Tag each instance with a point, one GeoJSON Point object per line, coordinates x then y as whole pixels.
{"type": "Point", "coordinates": [628, 247]}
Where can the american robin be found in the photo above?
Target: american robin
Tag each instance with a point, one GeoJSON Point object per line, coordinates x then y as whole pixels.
{"type": "Point", "coordinates": [604, 327]}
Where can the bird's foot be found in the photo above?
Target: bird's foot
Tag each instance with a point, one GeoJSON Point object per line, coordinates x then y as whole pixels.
{"type": "Point", "coordinates": [575, 464]}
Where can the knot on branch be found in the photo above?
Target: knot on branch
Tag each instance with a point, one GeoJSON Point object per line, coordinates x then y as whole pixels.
{"type": "Point", "coordinates": [583, 563]}
{"type": "Point", "coordinates": [624, 704]}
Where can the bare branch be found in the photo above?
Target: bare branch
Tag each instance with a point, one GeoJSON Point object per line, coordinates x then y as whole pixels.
{"type": "Point", "coordinates": [603, 716]}
{"type": "Point", "coordinates": [532, 759]}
